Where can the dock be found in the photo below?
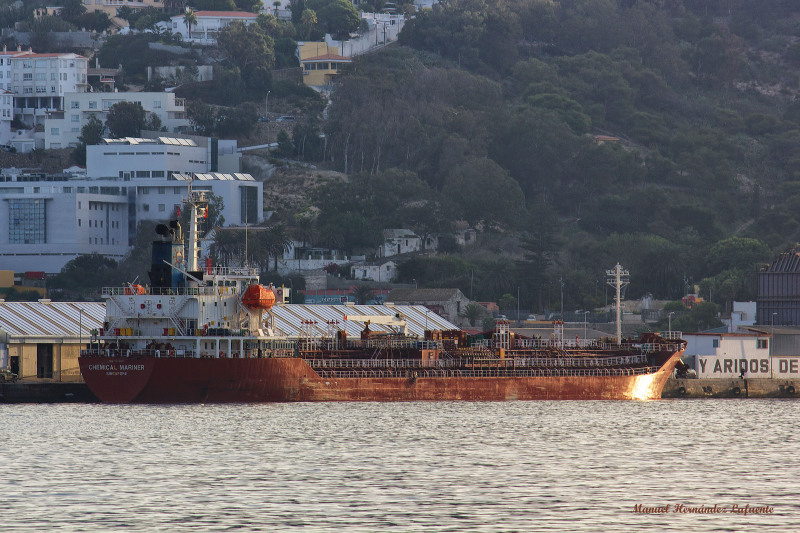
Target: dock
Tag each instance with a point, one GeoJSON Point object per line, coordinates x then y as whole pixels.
{"type": "Point", "coordinates": [38, 392]}
{"type": "Point", "coordinates": [731, 388]}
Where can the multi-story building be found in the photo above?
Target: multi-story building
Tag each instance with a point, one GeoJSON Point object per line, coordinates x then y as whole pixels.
{"type": "Point", "coordinates": [45, 221]}
{"type": "Point", "coordinates": [208, 25]}
{"type": "Point", "coordinates": [44, 224]}
{"type": "Point", "coordinates": [111, 7]}
{"type": "Point", "coordinates": [40, 82]}
{"type": "Point", "coordinates": [320, 63]}
{"type": "Point", "coordinates": [130, 158]}
{"type": "Point", "coordinates": [5, 65]}
{"type": "Point", "coordinates": [6, 115]}
{"type": "Point", "coordinates": [63, 128]}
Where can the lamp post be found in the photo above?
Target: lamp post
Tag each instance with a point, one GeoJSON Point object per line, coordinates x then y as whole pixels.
{"type": "Point", "coordinates": [517, 306]}
{"type": "Point", "coordinates": [772, 334]}
{"type": "Point", "coordinates": [585, 329]}
{"type": "Point", "coordinates": [266, 115]}
{"type": "Point", "coordinates": [291, 290]}
{"type": "Point", "coordinates": [669, 321]}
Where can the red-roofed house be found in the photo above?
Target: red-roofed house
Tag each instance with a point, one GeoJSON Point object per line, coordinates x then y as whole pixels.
{"type": "Point", "coordinates": [320, 63]}
{"type": "Point", "coordinates": [209, 23]}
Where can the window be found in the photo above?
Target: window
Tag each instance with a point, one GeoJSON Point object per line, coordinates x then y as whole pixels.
{"type": "Point", "coordinates": [92, 105]}
{"type": "Point", "coordinates": [144, 190]}
{"type": "Point", "coordinates": [27, 64]}
{"type": "Point", "coordinates": [41, 76]}
{"type": "Point", "coordinates": [27, 76]}
{"type": "Point", "coordinates": [74, 105]}
{"type": "Point", "coordinates": [762, 344]}
{"type": "Point", "coordinates": [27, 90]}
{"type": "Point", "coordinates": [162, 208]}
{"type": "Point", "coordinates": [143, 174]}
{"type": "Point", "coordinates": [157, 105]}
{"type": "Point", "coordinates": [145, 207]}
{"type": "Point", "coordinates": [54, 131]}
{"type": "Point", "coordinates": [715, 343]}
{"type": "Point", "coordinates": [27, 221]}
{"type": "Point", "coordinates": [161, 190]}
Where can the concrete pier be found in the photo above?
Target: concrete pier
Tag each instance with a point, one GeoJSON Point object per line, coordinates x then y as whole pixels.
{"type": "Point", "coordinates": [731, 388]}
{"type": "Point", "coordinates": [36, 392]}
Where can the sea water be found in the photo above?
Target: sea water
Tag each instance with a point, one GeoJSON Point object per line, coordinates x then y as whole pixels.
{"type": "Point", "coordinates": [670, 465]}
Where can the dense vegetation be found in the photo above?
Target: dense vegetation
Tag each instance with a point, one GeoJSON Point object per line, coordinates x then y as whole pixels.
{"type": "Point", "coordinates": [492, 114]}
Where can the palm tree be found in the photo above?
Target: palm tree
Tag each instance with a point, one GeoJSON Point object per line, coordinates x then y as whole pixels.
{"type": "Point", "coordinates": [190, 18]}
{"type": "Point", "coordinates": [277, 242]}
{"type": "Point", "coordinates": [473, 312]}
{"type": "Point", "coordinates": [362, 294]}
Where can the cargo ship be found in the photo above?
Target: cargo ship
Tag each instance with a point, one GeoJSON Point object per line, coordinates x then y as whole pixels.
{"type": "Point", "coordinates": [199, 333]}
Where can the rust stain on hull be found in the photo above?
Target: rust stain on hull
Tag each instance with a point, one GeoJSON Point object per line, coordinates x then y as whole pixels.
{"type": "Point", "coordinates": [165, 380]}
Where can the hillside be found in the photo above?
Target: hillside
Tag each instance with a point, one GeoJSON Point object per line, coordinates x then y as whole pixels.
{"type": "Point", "coordinates": [659, 134]}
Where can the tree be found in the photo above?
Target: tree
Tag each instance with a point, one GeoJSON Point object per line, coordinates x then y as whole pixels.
{"type": "Point", "coordinates": [473, 313]}
{"type": "Point", "coordinates": [202, 117]}
{"type": "Point", "coordinates": [126, 119]}
{"type": "Point", "coordinates": [308, 20]}
{"type": "Point", "coordinates": [153, 123]}
{"type": "Point", "coordinates": [362, 294]}
{"type": "Point", "coordinates": [250, 50]}
{"type": "Point", "coordinates": [85, 272]}
{"type": "Point", "coordinates": [91, 134]}
{"type": "Point", "coordinates": [72, 10]}
{"type": "Point", "coordinates": [277, 242]}
{"type": "Point", "coordinates": [338, 17]}
{"type": "Point", "coordinates": [92, 131]}
{"type": "Point", "coordinates": [190, 19]}
{"type": "Point", "coordinates": [253, 6]}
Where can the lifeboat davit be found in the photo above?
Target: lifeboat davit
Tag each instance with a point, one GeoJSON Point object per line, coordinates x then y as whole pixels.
{"type": "Point", "coordinates": [258, 297]}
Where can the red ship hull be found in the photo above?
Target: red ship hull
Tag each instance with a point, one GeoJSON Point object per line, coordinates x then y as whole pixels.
{"type": "Point", "coordinates": [179, 380]}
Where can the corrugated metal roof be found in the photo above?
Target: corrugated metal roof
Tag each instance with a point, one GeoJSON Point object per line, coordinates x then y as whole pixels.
{"type": "Point", "coordinates": [289, 318]}
{"type": "Point", "coordinates": [62, 319]}
{"type": "Point", "coordinates": [51, 319]}
{"type": "Point", "coordinates": [786, 262]}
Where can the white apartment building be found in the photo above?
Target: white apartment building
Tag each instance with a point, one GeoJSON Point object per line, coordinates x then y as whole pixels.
{"type": "Point", "coordinates": [63, 128]}
{"type": "Point", "coordinates": [6, 115]}
{"type": "Point", "coordinates": [46, 221]}
{"type": "Point", "coordinates": [5, 65]}
{"type": "Point", "coordinates": [40, 82]}
{"type": "Point", "coordinates": [209, 23]}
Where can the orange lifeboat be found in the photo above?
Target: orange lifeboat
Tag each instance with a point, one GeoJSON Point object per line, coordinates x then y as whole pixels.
{"type": "Point", "coordinates": [134, 289]}
{"type": "Point", "coordinates": [258, 297]}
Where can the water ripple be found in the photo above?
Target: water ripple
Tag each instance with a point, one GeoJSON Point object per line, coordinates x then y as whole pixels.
{"type": "Point", "coordinates": [517, 466]}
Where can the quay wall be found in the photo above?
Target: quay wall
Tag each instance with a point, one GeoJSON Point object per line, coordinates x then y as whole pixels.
{"type": "Point", "coordinates": [22, 392]}
{"type": "Point", "coordinates": [731, 388]}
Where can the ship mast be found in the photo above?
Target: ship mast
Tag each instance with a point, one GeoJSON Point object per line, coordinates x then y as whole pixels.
{"type": "Point", "coordinates": [198, 208]}
{"type": "Point", "coordinates": [618, 278]}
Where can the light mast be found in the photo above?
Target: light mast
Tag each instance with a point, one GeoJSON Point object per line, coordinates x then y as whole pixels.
{"type": "Point", "coordinates": [618, 278]}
